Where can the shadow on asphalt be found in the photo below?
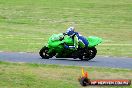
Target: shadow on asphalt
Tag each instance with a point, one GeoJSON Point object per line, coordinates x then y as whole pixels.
{"type": "Point", "coordinates": [69, 59]}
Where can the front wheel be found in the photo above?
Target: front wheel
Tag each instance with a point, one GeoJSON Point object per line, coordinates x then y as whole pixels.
{"type": "Point", "coordinates": [44, 53]}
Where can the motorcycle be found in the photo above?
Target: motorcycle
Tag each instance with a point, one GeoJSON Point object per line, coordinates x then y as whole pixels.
{"type": "Point", "coordinates": [55, 47]}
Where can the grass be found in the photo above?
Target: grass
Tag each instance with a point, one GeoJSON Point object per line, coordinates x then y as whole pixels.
{"type": "Point", "coordinates": [26, 25]}
{"type": "Point", "coordinates": [23, 75]}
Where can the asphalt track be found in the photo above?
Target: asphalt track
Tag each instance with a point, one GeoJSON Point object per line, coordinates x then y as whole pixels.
{"type": "Point", "coordinates": [99, 61]}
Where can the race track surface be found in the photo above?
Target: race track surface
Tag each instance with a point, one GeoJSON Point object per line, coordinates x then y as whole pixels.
{"type": "Point", "coordinates": [99, 61]}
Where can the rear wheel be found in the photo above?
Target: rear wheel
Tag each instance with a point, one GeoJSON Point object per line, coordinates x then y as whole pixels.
{"type": "Point", "coordinates": [44, 53]}
{"type": "Point", "coordinates": [90, 53]}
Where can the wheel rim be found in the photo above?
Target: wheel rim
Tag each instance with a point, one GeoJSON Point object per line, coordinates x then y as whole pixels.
{"type": "Point", "coordinates": [90, 53]}
{"type": "Point", "coordinates": [45, 53]}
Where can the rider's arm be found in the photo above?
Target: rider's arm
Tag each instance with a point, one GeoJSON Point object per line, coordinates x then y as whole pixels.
{"type": "Point", "coordinates": [75, 42]}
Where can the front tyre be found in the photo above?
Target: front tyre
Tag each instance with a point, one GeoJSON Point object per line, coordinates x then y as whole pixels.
{"type": "Point", "coordinates": [44, 53]}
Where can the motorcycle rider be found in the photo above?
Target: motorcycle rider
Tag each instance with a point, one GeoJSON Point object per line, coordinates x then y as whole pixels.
{"type": "Point", "coordinates": [77, 38]}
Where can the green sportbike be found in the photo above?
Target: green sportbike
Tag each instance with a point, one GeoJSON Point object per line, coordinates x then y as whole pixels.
{"type": "Point", "coordinates": [55, 47]}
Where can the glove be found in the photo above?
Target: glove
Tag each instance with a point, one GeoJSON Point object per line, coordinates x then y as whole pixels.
{"type": "Point", "coordinates": [64, 34]}
{"type": "Point", "coordinates": [66, 46]}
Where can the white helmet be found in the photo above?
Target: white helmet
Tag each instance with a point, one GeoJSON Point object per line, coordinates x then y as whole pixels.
{"type": "Point", "coordinates": [70, 30]}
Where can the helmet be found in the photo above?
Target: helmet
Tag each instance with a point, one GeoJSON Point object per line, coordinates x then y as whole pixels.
{"type": "Point", "coordinates": [70, 30]}
{"type": "Point", "coordinates": [61, 36]}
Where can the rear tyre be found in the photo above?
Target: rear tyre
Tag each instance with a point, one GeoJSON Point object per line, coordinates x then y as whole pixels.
{"type": "Point", "coordinates": [44, 53]}
{"type": "Point", "coordinates": [90, 53]}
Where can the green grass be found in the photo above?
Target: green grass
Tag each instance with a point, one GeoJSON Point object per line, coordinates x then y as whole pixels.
{"type": "Point", "coordinates": [26, 25]}
{"type": "Point", "coordinates": [22, 75]}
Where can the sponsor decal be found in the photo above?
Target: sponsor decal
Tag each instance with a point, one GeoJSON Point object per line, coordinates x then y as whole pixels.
{"type": "Point", "coordinates": [86, 81]}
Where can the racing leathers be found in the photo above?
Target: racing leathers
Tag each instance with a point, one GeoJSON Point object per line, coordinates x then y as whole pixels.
{"type": "Point", "coordinates": [79, 41]}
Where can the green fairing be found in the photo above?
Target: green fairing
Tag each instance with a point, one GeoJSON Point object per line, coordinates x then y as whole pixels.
{"type": "Point", "coordinates": [68, 40]}
{"type": "Point", "coordinates": [93, 41]}
{"type": "Point", "coordinates": [54, 44]}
